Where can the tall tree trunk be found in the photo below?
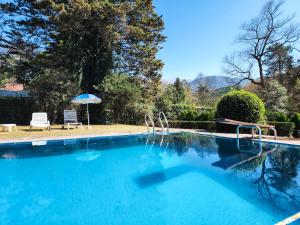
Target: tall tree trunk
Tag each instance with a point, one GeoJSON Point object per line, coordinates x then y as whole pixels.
{"type": "Point", "coordinates": [261, 72]}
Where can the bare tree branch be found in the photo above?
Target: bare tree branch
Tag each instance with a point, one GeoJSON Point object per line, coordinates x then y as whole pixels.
{"type": "Point", "coordinates": [267, 29]}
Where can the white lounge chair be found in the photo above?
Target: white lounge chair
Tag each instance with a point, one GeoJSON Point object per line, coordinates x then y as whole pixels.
{"type": "Point", "coordinates": [40, 120]}
{"type": "Point", "coordinates": [70, 118]}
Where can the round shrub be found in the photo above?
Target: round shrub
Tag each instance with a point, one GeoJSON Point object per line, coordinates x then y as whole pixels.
{"type": "Point", "coordinates": [241, 105]}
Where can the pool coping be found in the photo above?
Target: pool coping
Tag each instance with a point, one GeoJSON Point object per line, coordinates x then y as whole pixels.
{"type": "Point", "coordinates": [292, 142]}
{"type": "Point", "coordinates": [57, 138]}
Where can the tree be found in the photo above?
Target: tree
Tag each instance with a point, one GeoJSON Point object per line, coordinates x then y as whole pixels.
{"type": "Point", "coordinates": [275, 97]}
{"type": "Point", "coordinates": [90, 38]}
{"type": "Point", "coordinates": [138, 49]}
{"type": "Point", "coordinates": [267, 32]}
{"type": "Point", "coordinates": [294, 98]}
{"type": "Point", "coordinates": [188, 93]}
{"type": "Point", "coordinates": [52, 91]}
{"type": "Point", "coordinates": [179, 91]}
{"type": "Point", "coordinates": [122, 94]}
{"type": "Point", "coordinates": [279, 61]}
{"type": "Point", "coordinates": [174, 95]}
{"type": "Point", "coordinates": [166, 100]}
{"type": "Point", "coordinates": [203, 94]}
{"type": "Point", "coordinates": [4, 75]}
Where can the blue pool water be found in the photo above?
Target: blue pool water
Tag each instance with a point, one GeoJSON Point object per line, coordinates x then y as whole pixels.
{"type": "Point", "coordinates": [181, 179]}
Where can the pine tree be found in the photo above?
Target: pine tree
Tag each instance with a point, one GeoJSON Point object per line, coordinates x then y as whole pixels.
{"type": "Point", "coordinates": [179, 91]}
{"type": "Point", "coordinates": [90, 39]}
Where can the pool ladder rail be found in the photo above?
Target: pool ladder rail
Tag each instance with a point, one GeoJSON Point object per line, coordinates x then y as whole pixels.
{"type": "Point", "coordinates": [148, 119]}
{"type": "Point", "coordinates": [161, 118]}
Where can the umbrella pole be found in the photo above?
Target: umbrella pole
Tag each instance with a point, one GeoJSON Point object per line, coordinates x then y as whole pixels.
{"type": "Point", "coordinates": [88, 115]}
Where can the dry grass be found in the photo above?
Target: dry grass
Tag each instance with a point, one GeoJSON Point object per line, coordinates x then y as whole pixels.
{"type": "Point", "coordinates": [24, 133]}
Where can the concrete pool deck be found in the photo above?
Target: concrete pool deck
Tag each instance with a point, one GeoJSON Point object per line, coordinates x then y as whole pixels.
{"type": "Point", "coordinates": [23, 134]}
{"type": "Point", "coordinates": [114, 130]}
{"type": "Point", "coordinates": [282, 140]}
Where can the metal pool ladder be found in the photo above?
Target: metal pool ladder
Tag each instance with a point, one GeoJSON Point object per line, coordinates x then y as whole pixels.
{"type": "Point", "coordinates": [160, 115]}
{"type": "Point", "coordinates": [148, 119]}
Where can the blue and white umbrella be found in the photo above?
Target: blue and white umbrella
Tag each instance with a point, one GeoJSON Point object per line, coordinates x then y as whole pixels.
{"type": "Point", "coordinates": [86, 99]}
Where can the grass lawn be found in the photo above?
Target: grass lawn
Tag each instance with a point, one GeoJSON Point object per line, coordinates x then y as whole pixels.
{"type": "Point", "coordinates": [24, 133]}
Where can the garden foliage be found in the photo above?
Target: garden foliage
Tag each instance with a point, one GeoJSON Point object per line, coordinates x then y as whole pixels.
{"type": "Point", "coordinates": [123, 95]}
{"type": "Point", "coordinates": [241, 105]}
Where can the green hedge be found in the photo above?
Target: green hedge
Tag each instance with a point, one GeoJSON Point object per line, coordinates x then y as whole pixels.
{"type": "Point", "coordinates": [205, 125]}
{"type": "Point", "coordinates": [185, 112]}
{"type": "Point", "coordinates": [16, 110]}
{"type": "Point", "coordinates": [284, 128]}
{"type": "Point", "coordinates": [206, 115]}
{"type": "Point", "coordinates": [277, 116]}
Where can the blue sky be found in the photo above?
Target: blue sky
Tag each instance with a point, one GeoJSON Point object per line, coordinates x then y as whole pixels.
{"type": "Point", "coordinates": [201, 32]}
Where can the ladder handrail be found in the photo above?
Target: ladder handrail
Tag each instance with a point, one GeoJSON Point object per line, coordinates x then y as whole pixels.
{"type": "Point", "coordinates": [151, 121]}
{"type": "Point", "coordinates": [160, 121]}
{"type": "Point", "coordinates": [251, 127]}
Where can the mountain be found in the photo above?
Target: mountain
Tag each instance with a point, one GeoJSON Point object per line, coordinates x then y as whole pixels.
{"type": "Point", "coordinates": [213, 82]}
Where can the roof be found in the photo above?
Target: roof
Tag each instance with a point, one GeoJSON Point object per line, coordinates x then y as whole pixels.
{"type": "Point", "coordinates": [13, 90]}
{"type": "Point", "coordinates": [13, 87]}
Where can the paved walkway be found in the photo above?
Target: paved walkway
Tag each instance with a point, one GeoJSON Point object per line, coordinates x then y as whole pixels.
{"type": "Point", "coordinates": [284, 140]}
{"type": "Point", "coordinates": [30, 139]}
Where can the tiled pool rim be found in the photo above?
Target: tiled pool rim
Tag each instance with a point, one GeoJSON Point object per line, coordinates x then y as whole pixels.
{"type": "Point", "coordinates": [289, 142]}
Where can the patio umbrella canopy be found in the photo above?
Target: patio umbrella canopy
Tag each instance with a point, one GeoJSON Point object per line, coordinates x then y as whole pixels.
{"type": "Point", "coordinates": [86, 99]}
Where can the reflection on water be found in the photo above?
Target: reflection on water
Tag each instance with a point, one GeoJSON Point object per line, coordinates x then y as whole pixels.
{"type": "Point", "coordinates": [68, 146]}
{"type": "Point", "coordinates": [274, 172]}
{"type": "Point", "coordinates": [277, 180]}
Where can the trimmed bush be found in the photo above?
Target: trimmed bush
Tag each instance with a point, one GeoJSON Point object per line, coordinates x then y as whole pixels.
{"type": "Point", "coordinates": [205, 125]}
{"type": "Point", "coordinates": [184, 112]}
{"type": "Point", "coordinates": [284, 128]}
{"type": "Point", "coordinates": [241, 105]}
{"type": "Point", "coordinates": [277, 116]}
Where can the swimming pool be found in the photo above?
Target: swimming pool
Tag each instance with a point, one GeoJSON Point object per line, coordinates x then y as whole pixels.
{"type": "Point", "coordinates": [180, 178]}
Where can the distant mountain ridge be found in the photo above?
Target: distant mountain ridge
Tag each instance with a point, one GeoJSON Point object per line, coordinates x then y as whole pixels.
{"type": "Point", "coordinates": [213, 82]}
